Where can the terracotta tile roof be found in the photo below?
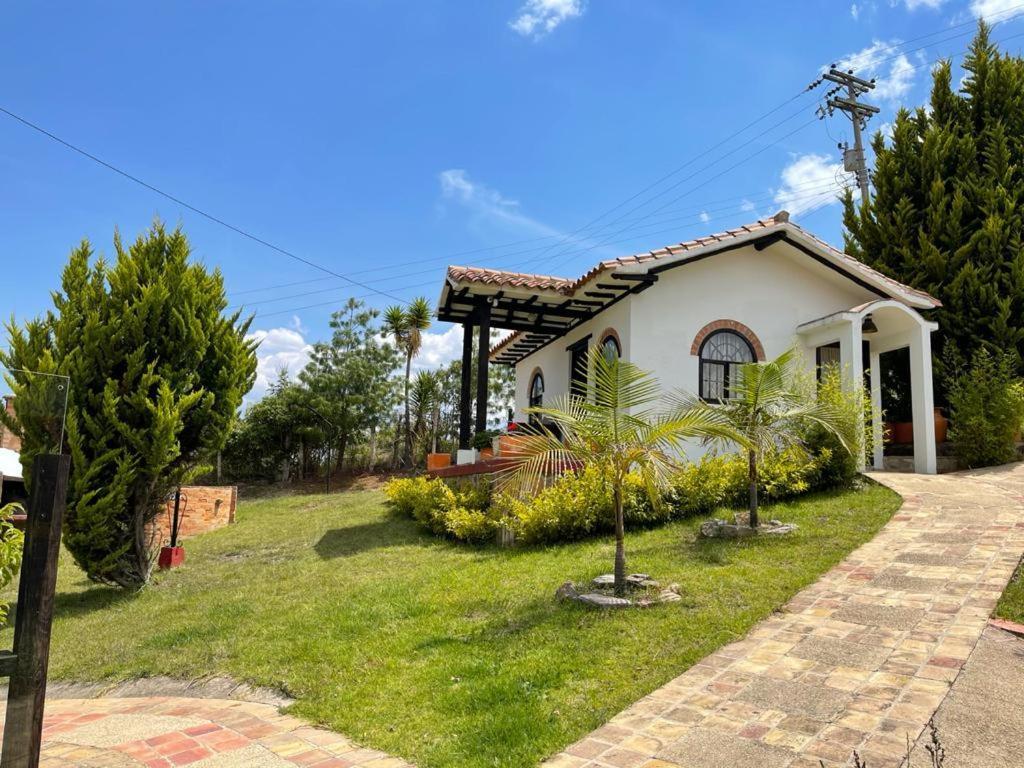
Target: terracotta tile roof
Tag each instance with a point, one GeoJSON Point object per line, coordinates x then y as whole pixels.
{"type": "Point", "coordinates": [568, 287]}
{"type": "Point", "coordinates": [510, 279]}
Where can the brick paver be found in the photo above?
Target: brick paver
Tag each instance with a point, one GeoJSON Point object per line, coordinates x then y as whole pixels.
{"type": "Point", "coordinates": [170, 731]}
{"type": "Point", "coordinates": [858, 661]}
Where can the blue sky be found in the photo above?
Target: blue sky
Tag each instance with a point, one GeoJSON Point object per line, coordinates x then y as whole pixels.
{"type": "Point", "coordinates": [383, 139]}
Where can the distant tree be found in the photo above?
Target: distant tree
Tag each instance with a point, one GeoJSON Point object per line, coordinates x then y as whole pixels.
{"type": "Point", "coordinates": [349, 377]}
{"type": "Point", "coordinates": [406, 325]}
{"type": "Point", "coordinates": [426, 401]}
{"type": "Point", "coordinates": [157, 372]}
{"type": "Point", "coordinates": [266, 442]}
{"type": "Point", "coordinates": [947, 213]}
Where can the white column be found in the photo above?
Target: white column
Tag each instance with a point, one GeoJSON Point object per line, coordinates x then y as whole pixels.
{"type": "Point", "coordinates": [851, 359]}
{"type": "Point", "coordinates": [923, 400]}
{"type": "Point", "coordinates": [878, 456]}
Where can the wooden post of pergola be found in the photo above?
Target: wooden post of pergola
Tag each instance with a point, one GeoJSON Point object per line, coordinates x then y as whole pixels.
{"type": "Point", "coordinates": [466, 382]}
{"type": "Point", "coordinates": [483, 354]}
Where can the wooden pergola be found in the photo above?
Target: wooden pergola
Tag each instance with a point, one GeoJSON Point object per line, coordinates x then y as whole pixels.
{"type": "Point", "coordinates": [539, 307]}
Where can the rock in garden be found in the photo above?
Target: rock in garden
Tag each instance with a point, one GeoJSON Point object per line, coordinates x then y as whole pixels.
{"type": "Point", "coordinates": [604, 580]}
{"type": "Point", "coordinates": [598, 600]}
{"type": "Point", "coordinates": [567, 592]}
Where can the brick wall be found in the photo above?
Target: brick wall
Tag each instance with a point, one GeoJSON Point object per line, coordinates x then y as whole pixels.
{"type": "Point", "coordinates": [8, 439]}
{"type": "Point", "coordinates": [204, 508]}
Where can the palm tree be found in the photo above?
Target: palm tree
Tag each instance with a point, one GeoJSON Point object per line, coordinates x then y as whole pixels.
{"type": "Point", "coordinates": [425, 400]}
{"type": "Point", "coordinates": [614, 426]}
{"type": "Point", "coordinates": [770, 410]}
{"type": "Point", "coordinates": [406, 325]}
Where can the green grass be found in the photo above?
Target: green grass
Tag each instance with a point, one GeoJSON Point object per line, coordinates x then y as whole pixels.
{"type": "Point", "coordinates": [440, 653]}
{"type": "Point", "coordinates": [1011, 604]}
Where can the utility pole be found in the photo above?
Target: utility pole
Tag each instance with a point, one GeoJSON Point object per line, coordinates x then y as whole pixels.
{"type": "Point", "coordinates": [859, 114]}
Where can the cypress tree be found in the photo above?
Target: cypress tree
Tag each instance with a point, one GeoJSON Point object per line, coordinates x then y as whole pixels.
{"type": "Point", "coordinates": [946, 214]}
{"type": "Point", "coordinates": [157, 372]}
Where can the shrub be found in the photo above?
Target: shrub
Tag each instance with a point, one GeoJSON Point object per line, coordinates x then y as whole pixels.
{"type": "Point", "coordinates": [579, 504]}
{"type": "Point", "coordinates": [425, 500]}
{"type": "Point", "coordinates": [461, 513]}
{"type": "Point", "coordinates": [574, 505]}
{"type": "Point", "coordinates": [717, 481]}
{"type": "Point", "coordinates": [985, 410]}
{"type": "Point", "coordinates": [11, 543]}
{"type": "Point", "coordinates": [837, 467]}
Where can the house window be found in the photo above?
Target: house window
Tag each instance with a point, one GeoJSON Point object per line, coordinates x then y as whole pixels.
{"type": "Point", "coordinates": [721, 355]}
{"type": "Point", "coordinates": [610, 347]}
{"type": "Point", "coordinates": [537, 390]}
{"type": "Point", "coordinates": [578, 367]}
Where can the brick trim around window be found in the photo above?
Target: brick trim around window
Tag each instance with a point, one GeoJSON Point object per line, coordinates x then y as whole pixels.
{"type": "Point", "coordinates": [615, 335]}
{"type": "Point", "coordinates": [728, 325]}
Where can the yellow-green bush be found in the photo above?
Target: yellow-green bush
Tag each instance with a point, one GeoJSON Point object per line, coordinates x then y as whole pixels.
{"type": "Point", "coordinates": [462, 512]}
{"type": "Point", "coordinates": [579, 504]}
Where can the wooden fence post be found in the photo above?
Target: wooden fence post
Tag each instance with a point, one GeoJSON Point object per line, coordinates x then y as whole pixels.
{"type": "Point", "coordinates": [26, 695]}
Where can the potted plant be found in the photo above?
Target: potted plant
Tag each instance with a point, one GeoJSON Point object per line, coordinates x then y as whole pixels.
{"type": "Point", "coordinates": [173, 555]}
{"type": "Point", "coordinates": [483, 442]}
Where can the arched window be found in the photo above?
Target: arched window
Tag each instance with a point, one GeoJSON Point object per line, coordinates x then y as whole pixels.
{"type": "Point", "coordinates": [721, 355]}
{"type": "Point", "coordinates": [610, 347]}
{"type": "Point", "coordinates": [536, 398]}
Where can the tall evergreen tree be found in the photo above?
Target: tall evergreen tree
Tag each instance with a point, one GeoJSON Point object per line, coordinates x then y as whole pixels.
{"type": "Point", "coordinates": [947, 214]}
{"type": "Point", "coordinates": [157, 372]}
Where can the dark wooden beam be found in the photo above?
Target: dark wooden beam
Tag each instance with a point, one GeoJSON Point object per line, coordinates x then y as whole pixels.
{"type": "Point", "coordinates": [644, 278]}
{"type": "Point", "coordinates": [613, 287]}
{"type": "Point", "coordinates": [771, 239]}
{"type": "Point", "coordinates": [484, 354]}
{"type": "Point", "coordinates": [465, 386]}
{"type": "Point", "coordinates": [599, 294]}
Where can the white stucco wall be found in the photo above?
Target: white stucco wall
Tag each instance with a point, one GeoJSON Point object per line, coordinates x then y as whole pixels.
{"type": "Point", "coordinates": [553, 360]}
{"type": "Point", "coordinates": [770, 291]}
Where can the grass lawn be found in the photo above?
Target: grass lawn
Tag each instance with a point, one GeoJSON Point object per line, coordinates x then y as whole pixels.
{"type": "Point", "coordinates": [1011, 604]}
{"type": "Point", "coordinates": [440, 653]}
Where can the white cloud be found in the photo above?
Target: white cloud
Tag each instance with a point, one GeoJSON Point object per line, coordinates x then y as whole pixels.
{"type": "Point", "coordinates": [746, 206]}
{"type": "Point", "coordinates": [704, 217]}
{"type": "Point", "coordinates": [893, 74]}
{"type": "Point", "coordinates": [995, 10]}
{"type": "Point", "coordinates": [913, 5]}
{"type": "Point", "coordinates": [280, 348]}
{"type": "Point", "coordinates": [810, 172]}
{"type": "Point", "coordinates": [439, 349]}
{"type": "Point", "coordinates": [538, 18]}
{"type": "Point", "coordinates": [855, 12]}
{"type": "Point", "coordinates": [493, 208]}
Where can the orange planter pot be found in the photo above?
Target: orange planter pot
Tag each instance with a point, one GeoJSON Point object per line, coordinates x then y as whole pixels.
{"type": "Point", "coordinates": [438, 460]}
{"type": "Point", "coordinates": [941, 426]}
{"type": "Point", "coordinates": [509, 444]}
{"type": "Point", "coordinates": [903, 432]}
{"type": "Point", "coordinates": [486, 453]}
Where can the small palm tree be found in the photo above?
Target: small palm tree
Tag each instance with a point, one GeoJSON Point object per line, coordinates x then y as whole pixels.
{"type": "Point", "coordinates": [614, 426]}
{"type": "Point", "coordinates": [406, 325]}
{"type": "Point", "coordinates": [425, 401]}
{"type": "Point", "coordinates": [770, 410]}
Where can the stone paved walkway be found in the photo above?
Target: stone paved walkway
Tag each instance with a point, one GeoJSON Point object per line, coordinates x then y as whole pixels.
{"type": "Point", "coordinates": [858, 661]}
{"type": "Point", "coordinates": [168, 731]}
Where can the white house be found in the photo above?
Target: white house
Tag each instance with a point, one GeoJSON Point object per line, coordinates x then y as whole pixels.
{"type": "Point", "coordinates": [691, 312]}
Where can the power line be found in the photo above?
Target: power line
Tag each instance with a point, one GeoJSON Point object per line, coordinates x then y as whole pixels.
{"type": "Point", "coordinates": [813, 196]}
{"type": "Point", "coordinates": [817, 187]}
{"type": "Point", "coordinates": [189, 206]}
